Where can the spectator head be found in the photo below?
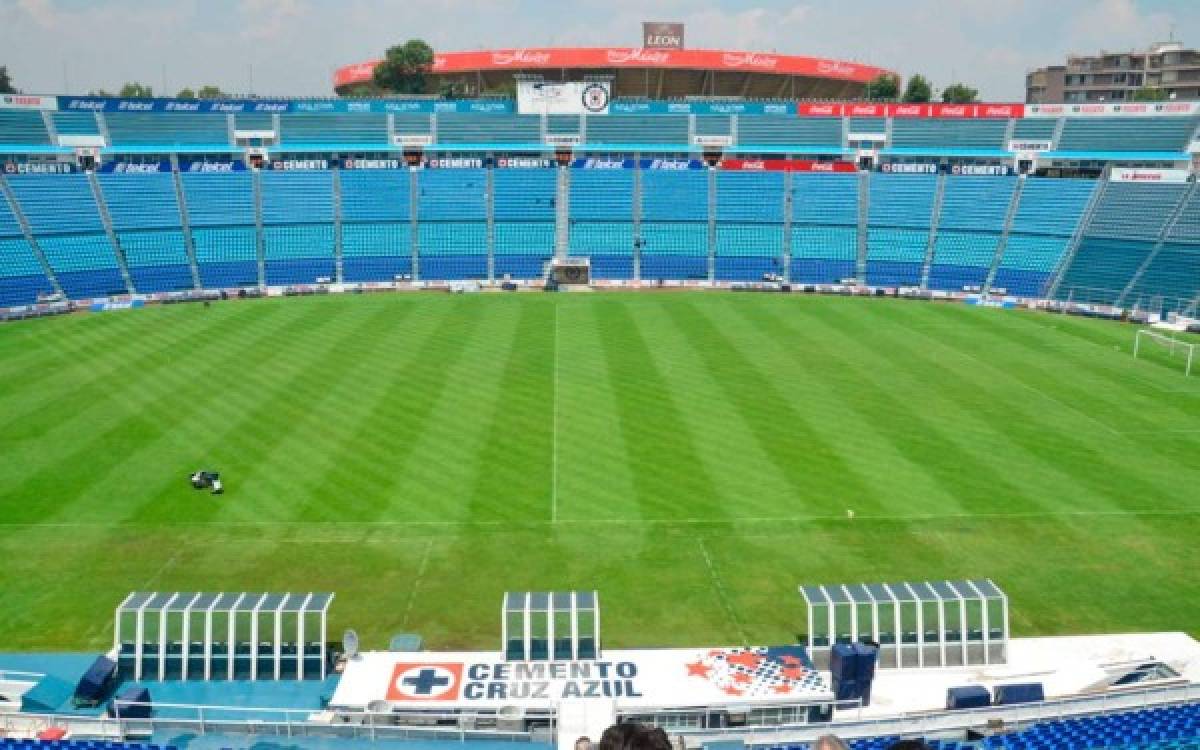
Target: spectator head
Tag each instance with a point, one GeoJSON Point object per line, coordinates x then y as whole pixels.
{"type": "Point", "coordinates": [583, 743]}
{"type": "Point", "coordinates": [909, 745]}
{"type": "Point", "coordinates": [632, 736]}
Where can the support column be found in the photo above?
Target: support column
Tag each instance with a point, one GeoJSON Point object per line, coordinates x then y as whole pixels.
{"type": "Point", "coordinates": [260, 238]}
{"type": "Point", "coordinates": [864, 213]}
{"type": "Point", "coordinates": [712, 224]}
{"type": "Point", "coordinates": [337, 226]}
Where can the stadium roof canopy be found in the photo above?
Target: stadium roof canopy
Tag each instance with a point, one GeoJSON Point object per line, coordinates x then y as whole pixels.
{"type": "Point", "coordinates": [638, 72]}
{"type": "Point", "coordinates": [919, 623]}
{"type": "Point", "coordinates": [166, 626]}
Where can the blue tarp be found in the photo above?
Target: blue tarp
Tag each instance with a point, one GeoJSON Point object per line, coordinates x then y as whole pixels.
{"type": "Point", "coordinates": [94, 683]}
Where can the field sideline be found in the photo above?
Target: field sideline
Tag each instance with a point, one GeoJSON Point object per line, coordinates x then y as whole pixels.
{"type": "Point", "coordinates": [690, 455]}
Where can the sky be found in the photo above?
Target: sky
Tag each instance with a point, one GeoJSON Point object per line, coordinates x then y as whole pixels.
{"type": "Point", "coordinates": [291, 47]}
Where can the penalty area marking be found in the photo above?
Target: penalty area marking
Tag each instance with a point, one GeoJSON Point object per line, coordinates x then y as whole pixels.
{"type": "Point", "coordinates": [412, 595]}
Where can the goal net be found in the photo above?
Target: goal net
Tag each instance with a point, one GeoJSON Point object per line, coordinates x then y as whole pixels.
{"type": "Point", "coordinates": [1152, 344]}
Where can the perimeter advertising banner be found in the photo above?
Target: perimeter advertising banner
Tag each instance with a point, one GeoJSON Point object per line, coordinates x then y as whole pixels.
{"type": "Point", "coordinates": [572, 98]}
{"type": "Point", "coordinates": [662, 35]}
{"type": "Point", "coordinates": [605, 163]}
{"type": "Point", "coordinates": [786, 165]}
{"type": "Point", "coordinates": [1136, 109]}
{"type": "Point", "coordinates": [1149, 175]}
{"type": "Point", "coordinates": [22, 101]}
{"type": "Point", "coordinates": [943, 111]}
{"type": "Point", "coordinates": [13, 167]}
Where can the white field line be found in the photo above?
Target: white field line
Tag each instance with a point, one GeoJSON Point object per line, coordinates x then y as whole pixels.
{"type": "Point", "coordinates": [554, 429]}
{"type": "Point", "coordinates": [859, 518]}
{"type": "Point", "coordinates": [412, 595]}
{"type": "Point", "coordinates": [719, 586]}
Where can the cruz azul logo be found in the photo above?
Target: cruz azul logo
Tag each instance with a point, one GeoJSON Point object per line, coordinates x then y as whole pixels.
{"type": "Point", "coordinates": [425, 682]}
{"type": "Point", "coordinates": [595, 97]}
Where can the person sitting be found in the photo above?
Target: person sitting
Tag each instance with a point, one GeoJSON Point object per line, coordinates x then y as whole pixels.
{"type": "Point", "coordinates": [634, 736]}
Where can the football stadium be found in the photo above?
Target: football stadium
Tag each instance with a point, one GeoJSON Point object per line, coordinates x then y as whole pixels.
{"type": "Point", "coordinates": [681, 399]}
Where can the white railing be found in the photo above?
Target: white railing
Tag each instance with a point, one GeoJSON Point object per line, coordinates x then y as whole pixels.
{"type": "Point", "coordinates": [280, 722]}
{"type": "Point", "coordinates": [925, 723]}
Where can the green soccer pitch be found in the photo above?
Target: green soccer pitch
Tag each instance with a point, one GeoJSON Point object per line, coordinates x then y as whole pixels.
{"type": "Point", "coordinates": [690, 455]}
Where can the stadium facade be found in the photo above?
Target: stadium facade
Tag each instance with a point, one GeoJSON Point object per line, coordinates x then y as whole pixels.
{"type": "Point", "coordinates": [651, 73]}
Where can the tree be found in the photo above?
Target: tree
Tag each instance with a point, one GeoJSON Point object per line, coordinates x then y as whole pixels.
{"type": "Point", "coordinates": [6, 86]}
{"type": "Point", "coordinates": [135, 90]}
{"type": "Point", "coordinates": [211, 92]}
{"type": "Point", "coordinates": [883, 86]}
{"type": "Point", "coordinates": [959, 93]}
{"type": "Point", "coordinates": [918, 89]}
{"type": "Point", "coordinates": [185, 93]}
{"type": "Point", "coordinates": [404, 67]}
{"type": "Point", "coordinates": [1149, 94]}
{"type": "Point", "coordinates": [361, 90]}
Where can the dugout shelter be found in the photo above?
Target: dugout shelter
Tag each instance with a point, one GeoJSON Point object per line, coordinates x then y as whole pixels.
{"type": "Point", "coordinates": [915, 623]}
{"type": "Point", "coordinates": [222, 636]}
{"type": "Point", "coordinates": [550, 625]}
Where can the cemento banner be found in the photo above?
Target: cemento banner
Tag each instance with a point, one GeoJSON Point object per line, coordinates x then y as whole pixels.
{"type": "Point", "coordinates": [632, 679]}
{"type": "Point", "coordinates": [572, 98]}
{"type": "Point", "coordinates": [1149, 175]}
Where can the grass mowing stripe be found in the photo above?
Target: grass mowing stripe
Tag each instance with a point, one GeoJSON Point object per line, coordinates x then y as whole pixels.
{"type": "Point", "coordinates": [651, 426]}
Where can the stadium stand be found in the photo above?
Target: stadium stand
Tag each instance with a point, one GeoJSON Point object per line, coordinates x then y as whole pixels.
{"type": "Point", "coordinates": [145, 216]}
{"type": "Point", "coordinates": [297, 217]}
{"type": "Point", "coordinates": [638, 129]}
{"type": "Point", "coordinates": [16, 743]}
{"type": "Point", "coordinates": [601, 220]}
{"type": "Point", "coordinates": [1047, 216]}
{"type": "Point", "coordinates": [523, 208]}
{"type": "Point", "coordinates": [1126, 225]}
{"type": "Point", "coordinates": [946, 134]}
{"type": "Point", "coordinates": [76, 123]}
{"type": "Point", "coordinates": [824, 227]}
{"type": "Point", "coordinates": [170, 130]}
{"type": "Point", "coordinates": [66, 223]}
{"type": "Point", "coordinates": [23, 127]}
{"type": "Point", "coordinates": [675, 224]}
{"type": "Point", "coordinates": [901, 209]}
{"type": "Point", "coordinates": [749, 228]}
{"type": "Point", "coordinates": [222, 215]}
{"type": "Point", "coordinates": [969, 229]}
{"type": "Point", "coordinates": [468, 128]}
{"type": "Point", "coordinates": [822, 132]}
{"type": "Point", "coordinates": [1163, 134]}
{"type": "Point", "coordinates": [452, 223]}
{"type": "Point", "coordinates": [376, 224]}
{"type": "Point", "coordinates": [21, 276]}
{"type": "Point", "coordinates": [318, 129]}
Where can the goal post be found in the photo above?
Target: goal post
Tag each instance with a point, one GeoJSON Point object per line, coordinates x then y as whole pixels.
{"type": "Point", "coordinates": [1172, 345]}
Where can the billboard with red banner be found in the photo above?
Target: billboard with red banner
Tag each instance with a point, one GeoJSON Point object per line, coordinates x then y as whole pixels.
{"type": "Point", "coordinates": [935, 110]}
{"type": "Point", "coordinates": [787, 165]}
{"type": "Point", "coordinates": [558, 58]}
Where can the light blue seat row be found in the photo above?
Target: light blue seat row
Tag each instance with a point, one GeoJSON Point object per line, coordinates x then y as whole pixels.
{"type": "Point", "coordinates": [300, 129]}
{"type": "Point", "coordinates": [297, 197]}
{"type": "Point", "coordinates": [671, 129]}
{"type": "Point", "coordinates": [1174, 273]}
{"type": "Point", "coordinates": [166, 129]}
{"type": "Point", "coordinates": [471, 128]}
{"type": "Point", "coordinates": [226, 256]}
{"type": "Point", "coordinates": [601, 194]}
{"type": "Point", "coordinates": [1101, 268]}
{"type": "Point", "coordinates": [376, 195]}
{"type": "Point", "coordinates": [219, 199]}
{"type": "Point", "coordinates": [1127, 134]}
{"type": "Point", "coordinates": [23, 126]}
{"type": "Point", "coordinates": [76, 123]}
{"type": "Point", "coordinates": [976, 203]}
{"type": "Point", "coordinates": [57, 204]}
{"type": "Point", "coordinates": [912, 132]}
{"type": "Point", "coordinates": [791, 131]}
{"type": "Point", "coordinates": [157, 260]}
{"type": "Point", "coordinates": [1132, 210]}
{"type": "Point", "coordinates": [750, 197]}
{"type": "Point", "coordinates": [675, 195]}
{"type": "Point", "coordinates": [141, 201]}
{"type": "Point", "coordinates": [525, 194]}
{"type": "Point", "coordinates": [452, 195]}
